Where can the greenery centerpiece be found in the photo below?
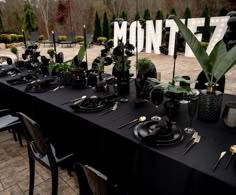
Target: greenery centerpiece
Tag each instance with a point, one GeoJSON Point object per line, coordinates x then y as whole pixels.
{"type": "Point", "coordinates": [145, 68]}
{"type": "Point", "coordinates": [120, 57]}
{"type": "Point", "coordinates": [215, 65]}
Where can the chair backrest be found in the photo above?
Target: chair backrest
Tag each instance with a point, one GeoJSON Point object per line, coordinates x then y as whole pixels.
{"type": "Point", "coordinates": [50, 38]}
{"type": "Point", "coordinates": [70, 37]}
{"type": "Point", "coordinates": [202, 80]}
{"type": "Point", "coordinates": [92, 182]}
{"type": "Point", "coordinates": [34, 36]}
{"type": "Point", "coordinates": [33, 134]}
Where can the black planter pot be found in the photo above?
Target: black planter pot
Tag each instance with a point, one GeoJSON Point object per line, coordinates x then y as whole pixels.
{"type": "Point", "coordinates": [123, 83]}
{"type": "Point", "coordinates": [209, 107]}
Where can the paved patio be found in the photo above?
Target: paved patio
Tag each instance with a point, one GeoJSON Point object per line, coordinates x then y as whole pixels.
{"type": "Point", "coordinates": [14, 172]}
{"type": "Point", "coordinates": [164, 63]}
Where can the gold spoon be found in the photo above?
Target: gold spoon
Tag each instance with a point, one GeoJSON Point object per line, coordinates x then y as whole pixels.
{"type": "Point", "coordinates": [218, 160]}
{"type": "Point", "coordinates": [140, 119]}
{"type": "Point", "coordinates": [232, 149]}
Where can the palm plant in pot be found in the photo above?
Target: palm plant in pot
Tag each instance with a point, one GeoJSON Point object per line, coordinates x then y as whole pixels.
{"type": "Point", "coordinates": [214, 66]}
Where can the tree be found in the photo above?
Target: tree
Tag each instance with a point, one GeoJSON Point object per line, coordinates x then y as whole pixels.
{"type": "Point", "coordinates": [43, 7]}
{"type": "Point", "coordinates": [19, 22]}
{"type": "Point", "coordinates": [159, 15]}
{"type": "Point", "coordinates": [187, 14]}
{"type": "Point", "coordinates": [137, 17]}
{"type": "Point", "coordinates": [97, 27]}
{"type": "Point", "coordinates": [147, 15]}
{"type": "Point", "coordinates": [29, 18]}
{"type": "Point", "coordinates": [1, 24]}
{"type": "Point", "coordinates": [105, 30]}
{"type": "Point", "coordinates": [124, 16]}
{"type": "Point", "coordinates": [223, 12]}
{"type": "Point", "coordinates": [173, 12]}
{"type": "Point", "coordinates": [62, 12]}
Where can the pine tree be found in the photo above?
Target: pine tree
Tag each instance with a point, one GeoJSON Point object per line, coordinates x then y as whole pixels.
{"type": "Point", "coordinates": [1, 24]}
{"type": "Point", "coordinates": [29, 18]}
{"type": "Point", "coordinates": [206, 30]}
{"type": "Point", "coordinates": [105, 30]}
{"type": "Point", "coordinates": [97, 28]}
{"type": "Point", "coordinates": [137, 17]}
{"type": "Point", "coordinates": [187, 14]}
{"type": "Point", "coordinates": [223, 12]}
{"type": "Point", "coordinates": [124, 16]}
{"type": "Point", "coordinates": [147, 15]}
{"type": "Point", "coordinates": [173, 12]}
{"type": "Point", "coordinates": [159, 15]}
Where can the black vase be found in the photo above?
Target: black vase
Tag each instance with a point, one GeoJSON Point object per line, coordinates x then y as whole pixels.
{"type": "Point", "coordinates": [123, 83]}
{"type": "Point", "coordinates": [209, 107]}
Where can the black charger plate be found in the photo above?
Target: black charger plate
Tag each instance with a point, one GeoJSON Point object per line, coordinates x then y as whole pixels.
{"type": "Point", "coordinates": [142, 130]}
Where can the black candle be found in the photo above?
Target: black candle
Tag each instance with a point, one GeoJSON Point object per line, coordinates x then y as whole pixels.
{"type": "Point", "coordinates": [54, 42]}
{"type": "Point", "coordinates": [85, 43]}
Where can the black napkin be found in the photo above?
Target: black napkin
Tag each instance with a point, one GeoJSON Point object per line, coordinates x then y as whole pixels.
{"type": "Point", "coordinates": [94, 103]}
{"type": "Point", "coordinates": [8, 70]}
{"type": "Point", "coordinates": [22, 79]}
{"type": "Point", "coordinates": [42, 85]}
{"type": "Point", "coordinates": [157, 133]}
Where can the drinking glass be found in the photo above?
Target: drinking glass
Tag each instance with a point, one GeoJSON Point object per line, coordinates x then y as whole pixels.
{"type": "Point", "coordinates": [157, 96]}
{"type": "Point", "coordinates": [192, 108]}
{"type": "Point", "coordinates": [185, 95]}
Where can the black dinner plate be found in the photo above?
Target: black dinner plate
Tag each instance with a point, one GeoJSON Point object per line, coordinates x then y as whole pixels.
{"type": "Point", "coordinates": [174, 136]}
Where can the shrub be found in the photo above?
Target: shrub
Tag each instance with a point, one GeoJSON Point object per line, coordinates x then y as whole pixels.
{"type": "Point", "coordinates": [41, 37]}
{"type": "Point", "coordinates": [101, 40]}
{"type": "Point", "coordinates": [62, 38]}
{"type": "Point", "coordinates": [20, 38]}
{"type": "Point", "coordinates": [5, 38]}
{"type": "Point", "coordinates": [14, 38]}
{"type": "Point", "coordinates": [79, 38]}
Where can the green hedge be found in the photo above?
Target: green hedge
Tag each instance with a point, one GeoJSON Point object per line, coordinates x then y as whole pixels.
{"type": "Point", "coordinates": [5, 38]}
{"type": "Point", "coordinates": [79, 38]}
{"type": "Point", "coordinates": [14, 38]}
{"type": "Point", "coordinates": [20, 38]}
{"type": "Point", "coordinates": [41, 37]}
{"type": "Point", "coordinates": [101, 40]}
{"type": "Point", "coordinates": [62, 38]}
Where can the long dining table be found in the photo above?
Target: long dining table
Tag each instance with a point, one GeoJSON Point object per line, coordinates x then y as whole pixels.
{"type": "Point", "coordinates": [139, 168]}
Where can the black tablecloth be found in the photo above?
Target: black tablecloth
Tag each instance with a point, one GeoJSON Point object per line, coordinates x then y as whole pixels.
{"type": "Point", "coordinates": [142, 169]}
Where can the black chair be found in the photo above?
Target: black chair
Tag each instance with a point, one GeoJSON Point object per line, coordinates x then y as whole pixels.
{"type": "Point", "coordinates": [34, 36]}
{"type": "Point", "coordinates": [93, 182]}
{"type": "Point", "coordinates": [9, 121]}
{"type": "Point", "coordinates": [69, 40]}
{"type": "Point", "coordinates": [40, 149]}
{"type": "Point", "coordinates": [202, 81]}
{"type": "Point", "coordinates": [50, 40]}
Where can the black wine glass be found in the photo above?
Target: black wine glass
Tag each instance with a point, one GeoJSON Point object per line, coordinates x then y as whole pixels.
{"type": "Point", "coordinates": [157, 97]}
{"type": "Point", "coordinates": [192, 108]}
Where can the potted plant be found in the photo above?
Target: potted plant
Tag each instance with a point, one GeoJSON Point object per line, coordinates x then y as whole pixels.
{"type": "Point", "coordinates": [214, 66]}
{"type": "Point", "coordinates": [14, 50]}
{"type": "Point", "coordinates": [144, 68]}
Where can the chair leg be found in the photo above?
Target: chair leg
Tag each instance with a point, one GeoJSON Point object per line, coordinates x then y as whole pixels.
{"type": "Point", "coordinates": [32, 172]}
{"type": "Point", "coordinates": [14, 135]}
{"type": "Point", "coordinates": [19, 136]}
{"type": "Point", "coordinates": [54, 172]}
